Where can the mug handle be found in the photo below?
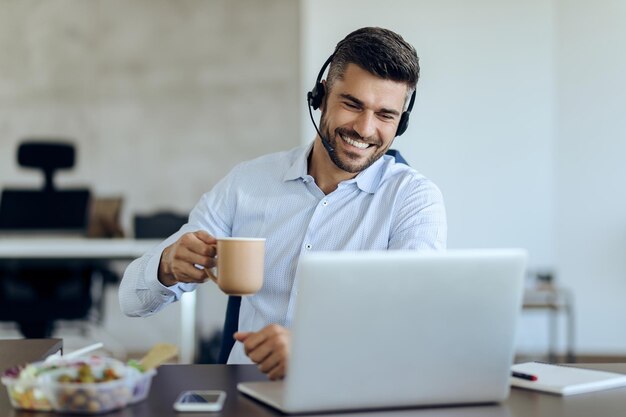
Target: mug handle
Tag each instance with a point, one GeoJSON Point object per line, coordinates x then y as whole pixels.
{"type": "Point", "coordinates": [210, 274]}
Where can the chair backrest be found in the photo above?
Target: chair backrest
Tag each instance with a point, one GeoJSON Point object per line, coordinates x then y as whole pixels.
{"type": "Point", "coordinates": [231, 318]}
{"type": "Point", "coordinates": [47, 209]}
{"type": "Point", "coordinates": [29, 210]}
{"type": "Point", "coordinates": [396, 154]}
{"type": "Point", "coordinates": [47, 156]}
{"type": "Point", "coordinates": [158, 225]}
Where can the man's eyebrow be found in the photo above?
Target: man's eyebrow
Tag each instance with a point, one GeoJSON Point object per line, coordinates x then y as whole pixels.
{"type": "Point", "coordinates": [359, 103]}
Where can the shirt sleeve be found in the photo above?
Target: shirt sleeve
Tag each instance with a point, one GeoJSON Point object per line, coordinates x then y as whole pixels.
{"type": "Point", "coordinates": [420, 218]}
{"type": "Point", "coordinates": [141, 293]}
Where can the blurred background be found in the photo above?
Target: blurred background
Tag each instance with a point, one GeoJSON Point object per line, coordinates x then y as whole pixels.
{"type": "Point", "coordinates": [519, 119]}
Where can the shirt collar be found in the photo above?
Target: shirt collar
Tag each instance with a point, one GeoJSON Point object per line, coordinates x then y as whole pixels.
{"type": "Point", "coordinates": [367, 180]}
{"type": "Point", "coordinates": [299, 166]}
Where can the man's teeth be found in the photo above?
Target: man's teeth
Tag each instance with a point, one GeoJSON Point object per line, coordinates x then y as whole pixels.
{"type": "Point", "coordinates": [359, 145]}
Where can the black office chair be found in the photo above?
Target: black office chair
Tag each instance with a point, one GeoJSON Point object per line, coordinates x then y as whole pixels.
{"type": "Point", "coordinates": [36, 294]}
{"type": "Point", "coordinates": [158, 225]}
{"type": "Point", "coordinates": [231, 319]}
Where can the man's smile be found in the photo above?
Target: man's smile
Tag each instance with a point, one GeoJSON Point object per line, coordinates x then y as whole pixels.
{"type": "Point", "coordinates": [356, 144]}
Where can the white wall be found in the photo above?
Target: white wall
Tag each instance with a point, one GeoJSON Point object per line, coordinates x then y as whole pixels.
{"type": "Point", "coordinates": [483, 124]}
{"type": "Point", "coordinates": [590, 214]}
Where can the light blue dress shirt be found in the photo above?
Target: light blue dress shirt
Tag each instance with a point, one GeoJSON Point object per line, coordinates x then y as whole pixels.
{"type": "Point", "coordinates": [387, 206]}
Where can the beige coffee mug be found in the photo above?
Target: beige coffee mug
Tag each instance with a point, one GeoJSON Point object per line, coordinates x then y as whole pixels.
{"type": "Point", "coordinates": [240, 263]}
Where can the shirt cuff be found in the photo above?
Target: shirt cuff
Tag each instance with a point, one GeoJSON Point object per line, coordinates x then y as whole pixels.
{"type": "Point", "coordinates": [152, 279]}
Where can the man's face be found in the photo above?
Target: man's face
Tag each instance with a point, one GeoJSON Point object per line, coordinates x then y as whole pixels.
{"type": "Point", "coordinates": [360, 117]}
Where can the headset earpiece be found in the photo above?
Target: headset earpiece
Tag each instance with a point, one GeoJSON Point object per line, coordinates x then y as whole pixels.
{"type": "Point", "coordinates": [403, 124]}
{"type": "Point", "coordinates": [316, 95]}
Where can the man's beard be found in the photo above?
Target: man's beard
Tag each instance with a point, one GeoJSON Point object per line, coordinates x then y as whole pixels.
{"type": "Point", "coordinates": [352, 134]}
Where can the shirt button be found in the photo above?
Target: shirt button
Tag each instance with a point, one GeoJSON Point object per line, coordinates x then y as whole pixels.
{"type": "Point", "coordinates": [308, 246]}
{"type": "Point", "coordinates": [164, 294]}
{"type": "Point", "coordinates": [325, 202]}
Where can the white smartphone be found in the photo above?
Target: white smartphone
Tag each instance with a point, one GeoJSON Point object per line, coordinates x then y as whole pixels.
{"type": "Point", "coordinates": [200, 401]}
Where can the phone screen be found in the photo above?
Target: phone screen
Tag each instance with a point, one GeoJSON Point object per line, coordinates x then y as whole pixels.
{"type": "Point", "coordinates": [199, 397]}
{"type": "Point", "coordinates": [200, 401]}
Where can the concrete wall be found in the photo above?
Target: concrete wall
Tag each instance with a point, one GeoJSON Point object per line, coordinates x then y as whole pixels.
{"type": "Point", "coordinates": [162, 98]}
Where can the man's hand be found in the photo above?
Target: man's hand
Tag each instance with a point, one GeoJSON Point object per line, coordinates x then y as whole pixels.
{"type": "Point", "coordinates": [178, 259]}
{"type": "Point", "coordinates": [269, 348]}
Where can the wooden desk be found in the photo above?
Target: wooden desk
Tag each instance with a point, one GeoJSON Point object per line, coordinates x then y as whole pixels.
{"type": "Point", "coordinates": [171, 379]}
{"type": "Point", "coordinates": [20, 351]}
{"type": "Point", "coordinates": [16, 249]}
{"type": "Point", "coordinates": [16, 351]}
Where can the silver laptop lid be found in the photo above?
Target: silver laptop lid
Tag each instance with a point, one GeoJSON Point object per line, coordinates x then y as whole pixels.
{"type": "Point", "coordinates": [399, 328]}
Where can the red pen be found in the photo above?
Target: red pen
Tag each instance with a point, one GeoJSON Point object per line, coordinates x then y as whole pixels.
{"type": "Point", "coordinates": [522, 375]}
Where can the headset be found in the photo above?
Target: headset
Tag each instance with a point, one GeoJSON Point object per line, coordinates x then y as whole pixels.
{"type": "Point", "coordinates": [316, 95]}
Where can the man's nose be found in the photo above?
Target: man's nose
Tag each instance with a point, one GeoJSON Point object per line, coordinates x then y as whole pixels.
{"type": "Point", "coordinates": [365, 124]}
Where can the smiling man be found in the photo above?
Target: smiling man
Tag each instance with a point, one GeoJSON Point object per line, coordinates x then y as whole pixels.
{"type": "Point", "coordinates": [360, 117]}
{"type": "Point", "coordinates": [340, 192]}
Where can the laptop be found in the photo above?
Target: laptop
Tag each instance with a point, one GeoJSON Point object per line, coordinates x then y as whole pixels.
{"type": "Point", "coordinates": [394, 329]}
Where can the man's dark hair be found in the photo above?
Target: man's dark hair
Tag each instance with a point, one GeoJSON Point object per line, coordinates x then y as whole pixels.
{"type": "Point", "coordinates": [379, 51]}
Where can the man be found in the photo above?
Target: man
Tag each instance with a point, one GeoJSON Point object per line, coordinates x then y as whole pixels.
{"type": "Point", "coordinates": [339, 193]}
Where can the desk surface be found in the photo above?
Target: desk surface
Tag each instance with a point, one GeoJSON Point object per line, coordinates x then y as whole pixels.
{"type": "Point", "coordinates": [171, 379]}
{"type": "Point", "coordinates": [17, 351]}
{"type": "Point", "coordinates": [60, 247]}
{"type": "Point", "coordinates": [20, 351]}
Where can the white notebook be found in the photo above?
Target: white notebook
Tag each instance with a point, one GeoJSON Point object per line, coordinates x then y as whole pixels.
{"type": "Point", "coordinates": [565, 380]}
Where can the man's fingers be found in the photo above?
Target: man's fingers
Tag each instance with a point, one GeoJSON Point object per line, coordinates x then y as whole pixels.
{"type": "Point", "coordinates": [185, 272]}
{"type": "Point", "coordinates": [268, 348]}
{"type": "Point", "coordinates": [278, 372]}
{"type": "Point", "coordinates": [270, 362]}
{"type": "Point", "coordinates": [187, 256]}
{"type": "Point", "coordinates": [179, 259]}
{"type": "Point", "coordinates": [261, 352]}
{"type": "Point", "coordinates": [205, 237]}
{"type": "Point", "coordinates": [241, 336]}
{"type": "Point", "coordinates": [193, 244]}
{"type": "Point", "coordinates": [253, 341]}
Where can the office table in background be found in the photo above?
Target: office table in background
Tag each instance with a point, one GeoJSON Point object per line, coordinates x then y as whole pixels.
{"type": "Point", "coordinates": [98, 251]}
{"type": "Point", "coordinates": [554, 300]}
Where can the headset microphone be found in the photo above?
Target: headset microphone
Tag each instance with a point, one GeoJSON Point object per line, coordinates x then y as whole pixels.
{"type": "Point", "coordinates": [314, 100]}
{"type": "Point", "coordinates": [322, 137]}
